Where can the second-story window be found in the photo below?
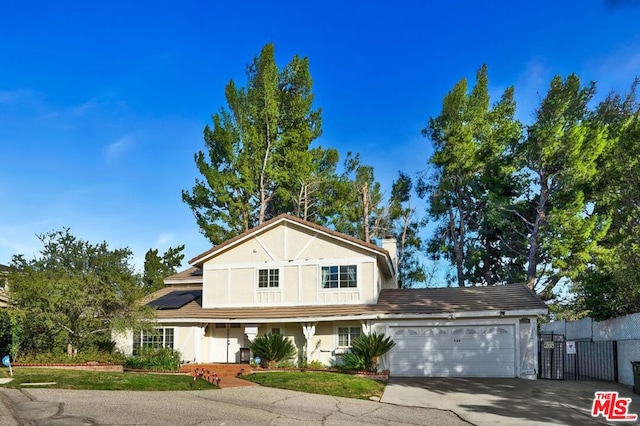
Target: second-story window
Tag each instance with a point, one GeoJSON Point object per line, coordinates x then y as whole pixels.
{"type": "Point", "coordinates": [268, 278]}
{"type": "Point", "coordinates": [339, 276]}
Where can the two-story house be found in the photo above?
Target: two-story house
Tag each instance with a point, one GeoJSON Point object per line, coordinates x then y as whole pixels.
{"type": "Point", "coordinates": [323, 289]}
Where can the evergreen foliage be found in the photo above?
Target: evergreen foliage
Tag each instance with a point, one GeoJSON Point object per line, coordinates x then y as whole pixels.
{"type": "Point", "coordinates": [365, 352]}
{"type": "Point", "coordinates": [273, 348]}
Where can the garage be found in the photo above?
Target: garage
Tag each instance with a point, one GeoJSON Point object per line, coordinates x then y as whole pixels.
{"type": "Point", "coordinates": [453, 351]}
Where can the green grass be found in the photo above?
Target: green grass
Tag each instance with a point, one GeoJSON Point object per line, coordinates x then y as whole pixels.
{"type": "Point", "coordinates": [334, 384]}
{"type": "Point", "coordinates": [101, 380]}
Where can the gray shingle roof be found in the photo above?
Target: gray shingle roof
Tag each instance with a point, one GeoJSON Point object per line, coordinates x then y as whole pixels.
{"type": "Point", "coordinates": [459, 299]}
{"type": "Point", "coordinates": [394, 301]}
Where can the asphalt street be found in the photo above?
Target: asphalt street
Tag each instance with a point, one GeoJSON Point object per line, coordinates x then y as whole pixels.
{"type": "Point", "coordinates": [234, 406]}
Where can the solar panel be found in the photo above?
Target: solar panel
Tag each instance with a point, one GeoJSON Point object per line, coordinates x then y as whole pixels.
{"type": "Point", "coordinates": [175, 299]}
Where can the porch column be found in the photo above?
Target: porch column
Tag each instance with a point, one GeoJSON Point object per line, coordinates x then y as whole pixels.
{"type": "Point", "coordinates": [366, 327]}
{"type": "Point", "coordinates": [251, 331]}
{"type": "Point", "coordinates": [198, 334]}
{"type": "Point", "coordinates": [309, 330]}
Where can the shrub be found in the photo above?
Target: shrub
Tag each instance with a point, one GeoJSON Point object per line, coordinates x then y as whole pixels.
{"type": "Point", "coordinates": [367, 349]}
{"type": "Point", "coordinates": [164, 359]}
{"type": "Point", "coordinates": [106, 346]}
{"type": "Point", "coordinates": [352, 361]}
{"type": "Point", "coordinates": [286, 364]}
{"type": "Point", "coordinates": [90, 355]}
{"type": "Point", "coordinates": [315, 365]}
{"type": "Point", "coordinates": [273, 348]}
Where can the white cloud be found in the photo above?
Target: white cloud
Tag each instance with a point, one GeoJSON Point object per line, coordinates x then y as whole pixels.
{"type": "Point", "coordinates": [80, 110]}
{"type": "Point", "coordinates": [164, 239]}
{"type": "Point", "coordinates": [117, 149]}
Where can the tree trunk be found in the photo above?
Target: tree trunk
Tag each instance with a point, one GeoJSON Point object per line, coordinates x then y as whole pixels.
{"type": "Point", "coordinates": [263, 170]}
{"type": "Point", "coordinates": [365, 211]}
{"type": "Point", "coordinates": [534, 238]}
{"type": "Point", "coordinates": [458, 239]}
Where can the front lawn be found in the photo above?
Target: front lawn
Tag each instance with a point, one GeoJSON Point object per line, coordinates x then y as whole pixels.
{"type": "Point", "coordinates": [334, 384]}
{"type": "Point", "coordinates": [101, 380]}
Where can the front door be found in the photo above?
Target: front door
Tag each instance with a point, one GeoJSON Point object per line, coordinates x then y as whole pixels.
{"type": "Point", "coordinates": [226, 343]}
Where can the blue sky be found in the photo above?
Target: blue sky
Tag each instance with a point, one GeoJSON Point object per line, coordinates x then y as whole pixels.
{"type": "Point", "coordinates": [102, 104]}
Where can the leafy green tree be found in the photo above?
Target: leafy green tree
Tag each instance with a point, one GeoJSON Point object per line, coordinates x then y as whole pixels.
{"type": "Point", "coordinates": [609, 286]}
{"type": "Point", "coordinates": [72, 291]}
{"type": "Point", "coordinates": [157, 268]}
{"type": "Point", "coordinates": [561, 153]}
{"type": "Point", "coordinates": [258, 162]}
{"type": "Point", "coordinates": [470, 187]}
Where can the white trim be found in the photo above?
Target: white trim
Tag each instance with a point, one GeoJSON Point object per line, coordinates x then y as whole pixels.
{"type": "Point", "coordinates": [264, 247]}
{"type": "Point", "coordinates": [340, 324]}
{"type": "Point", "coordinates": [339, 264]}
{"type": "Point", "coordinates": [479, 318]}
{"type": "Point", "coordinates": [279, 263]}
{"type": "Point", "coordinates": [306, 246]}
{"type": "Point", "coordinates": [256, 279]}
{"type": "Point", "coordinates": [299, 296]}
{"type": "Point", "coordinates": [381, 253]}
{"type": "Point", "coordinates": [185, 282]}
{"type": "Point", "coordinates": [285, 240]}
{"type": "Point", "coordinates": [228, 285]}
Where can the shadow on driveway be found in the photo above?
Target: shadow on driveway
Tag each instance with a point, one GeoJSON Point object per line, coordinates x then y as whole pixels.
{"type": "Point", "coordinates": [507, 401]}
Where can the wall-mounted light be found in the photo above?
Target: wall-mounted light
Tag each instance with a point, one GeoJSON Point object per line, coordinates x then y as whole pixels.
{"type": "Point", "coordinates": [501, 314]}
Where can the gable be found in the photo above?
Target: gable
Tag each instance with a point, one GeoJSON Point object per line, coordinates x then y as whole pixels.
{"type": "Point", "coordinates": [287, 243]}
{"type": "Point", "coordinates": [291, 239]}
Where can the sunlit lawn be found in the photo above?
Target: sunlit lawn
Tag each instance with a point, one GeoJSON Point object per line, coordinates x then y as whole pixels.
{"type": "Point", "coordinates": [325, 383]}
{"type": "Point", "coordinates": [101, 380]}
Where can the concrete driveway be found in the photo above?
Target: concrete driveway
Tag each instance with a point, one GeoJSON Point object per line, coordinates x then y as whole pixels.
{"type": "Point", "coordinates": [507, 401]}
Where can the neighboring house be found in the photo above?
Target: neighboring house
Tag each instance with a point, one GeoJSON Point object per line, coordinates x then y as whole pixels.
{"type": "Point", "coordinates": [323, 289]}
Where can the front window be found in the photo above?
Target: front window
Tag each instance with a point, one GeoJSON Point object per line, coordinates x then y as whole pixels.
{"type": "Point", "coordinates": [268, 278]}
{"type": "Point", "coordinates": [346, 336]}
{"type": "Point", "coordinates": [158, 338]}
{"type": "Point", "coordinates": [339, 276]}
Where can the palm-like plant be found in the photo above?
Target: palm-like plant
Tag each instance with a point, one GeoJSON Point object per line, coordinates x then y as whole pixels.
{"type": "Point", "coordinates": [370, 347]}
{"type": "Point", "coordinates": [273, 348]}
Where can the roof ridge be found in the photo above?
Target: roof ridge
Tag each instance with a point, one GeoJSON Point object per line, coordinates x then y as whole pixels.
{"type": "Point", "coordinates": [291, 218]}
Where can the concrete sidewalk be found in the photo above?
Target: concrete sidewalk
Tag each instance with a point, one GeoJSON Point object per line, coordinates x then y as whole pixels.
{"type": "Point", "coordinates": [507, 401]}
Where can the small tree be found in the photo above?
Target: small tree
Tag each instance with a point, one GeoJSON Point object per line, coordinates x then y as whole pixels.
{"type": "Point", "coordinates": [273, 348]}
{"type": "Point", "coordinates": [72, 292]}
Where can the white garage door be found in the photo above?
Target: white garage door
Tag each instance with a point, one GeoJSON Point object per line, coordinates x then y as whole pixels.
{"type": "Point", "coordinates": [462, 351]}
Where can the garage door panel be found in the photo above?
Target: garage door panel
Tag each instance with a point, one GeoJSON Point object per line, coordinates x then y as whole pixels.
{"type": "Point", "coordinates": [469, 351]}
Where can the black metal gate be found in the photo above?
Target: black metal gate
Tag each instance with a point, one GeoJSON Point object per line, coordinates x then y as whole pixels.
{"type": "Point", "coordinates": [592, 361]}
{"type": "Point", "coordinates": [551, 352]}
{"type": "Point", "coordinates": [586, 360]}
